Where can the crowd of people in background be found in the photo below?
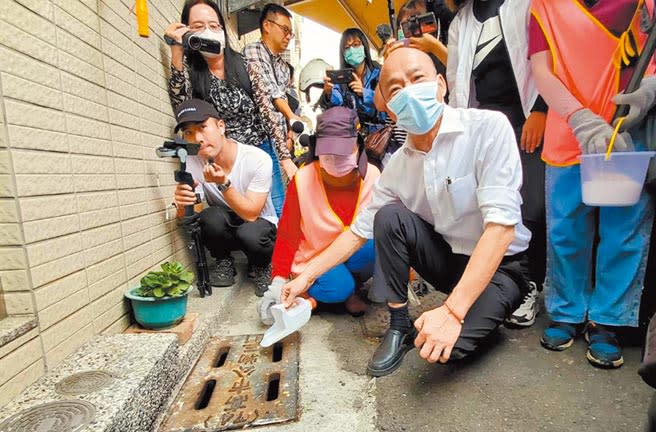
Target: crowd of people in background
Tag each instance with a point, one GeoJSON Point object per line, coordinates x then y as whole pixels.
{"type": "Point", "coordinates": [455, 156]}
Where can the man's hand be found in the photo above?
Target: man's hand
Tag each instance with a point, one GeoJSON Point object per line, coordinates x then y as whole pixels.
{"type": "Point", "coordinates": [289, 167]}
{"type": "Point", "coordinates": [214, 173]}
{"type": "Point", "coordinates": [327, 86]}
{"type": "Point", "coordinates": [185, 195]}
{"type": "Point", "coordinates": [293, 289]}
{"type": "Point", "coordinates": [438, 333]}
{"type": "Point", "coordinates": [533, 131]}
{"type": "Point", "coordinates": [426, 43]}
{"type": "Point", "coordinates": [356, 85]}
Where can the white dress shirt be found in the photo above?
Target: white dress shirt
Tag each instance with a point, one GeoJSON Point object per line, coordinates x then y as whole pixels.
{"type": "Point", "coordinates": [469, 178]}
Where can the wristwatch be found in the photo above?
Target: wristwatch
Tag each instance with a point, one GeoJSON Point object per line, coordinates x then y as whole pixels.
{"type": "Point", "coordinates": [224, 187]}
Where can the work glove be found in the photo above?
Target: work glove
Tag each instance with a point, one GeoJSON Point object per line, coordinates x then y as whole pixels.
{"type": "Point", "coordinates": [271, 297]}
{"type": "Point", "coordinates": [593, 133]}
{"type": "Point", "coordinates": [639, 102]}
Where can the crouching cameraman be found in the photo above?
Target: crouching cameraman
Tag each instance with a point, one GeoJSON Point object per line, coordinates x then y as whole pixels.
{"type": "Point", "coordinates": [236, 181]}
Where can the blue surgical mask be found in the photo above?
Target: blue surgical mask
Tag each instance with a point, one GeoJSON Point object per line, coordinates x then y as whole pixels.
{"type": "Point", "coordinates": [416, 107]}
{"type": "Point", "coordinates": [354, 55]}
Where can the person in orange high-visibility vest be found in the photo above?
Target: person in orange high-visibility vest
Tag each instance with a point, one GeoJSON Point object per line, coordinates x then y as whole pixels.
{"type": "Point", "coordinates": [583, 54]}
{"type": "Point", "coordinates": [322, 201]}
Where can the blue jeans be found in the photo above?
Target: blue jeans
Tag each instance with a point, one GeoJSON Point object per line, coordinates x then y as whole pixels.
{"type": "Point", "coordinates": [620, 261]}
{"type": "Point", "coordinates": [277, 185]}
{"type": "Point", "coordinates": [338, 283]}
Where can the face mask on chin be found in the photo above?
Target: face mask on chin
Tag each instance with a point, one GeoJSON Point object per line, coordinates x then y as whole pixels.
{"type": "Point", "coordinates": [214, 36]}
{"type": "Point", "coordinates": [338, 166]}
{"type": "Point", "coordinates": [416, 107]}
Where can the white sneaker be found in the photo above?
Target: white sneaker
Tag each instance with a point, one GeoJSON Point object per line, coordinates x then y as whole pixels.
{"type": "Point", "coordinates": [526, 313]}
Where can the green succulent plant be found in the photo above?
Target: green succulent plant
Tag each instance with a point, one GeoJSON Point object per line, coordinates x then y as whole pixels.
{"type": "Point", "coordinates": [172, 281]}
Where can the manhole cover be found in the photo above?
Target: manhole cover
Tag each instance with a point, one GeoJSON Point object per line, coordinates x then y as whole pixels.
{"type": "Point", "coordinates": [238, 384]}
{"type": "Point", "coordinates": [83, 383]}
{"type": "Point", "coordinates": [64, 416]}
{"type": "Point", "coordinates": [376, 321]}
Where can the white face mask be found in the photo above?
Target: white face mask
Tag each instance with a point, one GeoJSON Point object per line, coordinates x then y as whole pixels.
{"type": "Point", "coordinates": [215, 36]}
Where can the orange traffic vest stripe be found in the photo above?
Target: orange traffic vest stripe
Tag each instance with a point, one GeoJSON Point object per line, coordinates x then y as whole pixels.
{"type": "Point", "coordinates": [587, 58]}
{"type": "Point", "coordinates": [319, 223]}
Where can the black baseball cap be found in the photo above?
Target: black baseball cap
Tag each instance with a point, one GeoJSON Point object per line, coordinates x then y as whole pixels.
{"type": "Point", "coordinates": [194, 111]}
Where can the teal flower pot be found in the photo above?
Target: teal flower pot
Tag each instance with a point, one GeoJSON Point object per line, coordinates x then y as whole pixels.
{"type": "Point", "coordinates": [157, 313]}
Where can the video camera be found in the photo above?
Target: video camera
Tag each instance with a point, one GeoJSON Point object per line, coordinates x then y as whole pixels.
{"type": "Point", "coordinates": [192, 41]}
{"type": "Point", "coordinates": [417, 25]}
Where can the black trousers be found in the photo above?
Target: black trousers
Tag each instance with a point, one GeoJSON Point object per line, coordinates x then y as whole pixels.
{"type": "Point", "coordinates": [223, 231]}
{"type": "Point", "coordinates": [404, 240]}
{"type": "Point", "coordinates": [533, 210]}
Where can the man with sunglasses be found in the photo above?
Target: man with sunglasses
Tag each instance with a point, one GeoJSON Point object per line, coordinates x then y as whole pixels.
{"type": "Point", "coordinates": [271, 77]}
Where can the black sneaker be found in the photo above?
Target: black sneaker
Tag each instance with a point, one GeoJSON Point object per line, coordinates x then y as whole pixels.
{"type": "Point", "coordinates": [223, 274]}
{"type": "Point", "coordinates": [261, 277]}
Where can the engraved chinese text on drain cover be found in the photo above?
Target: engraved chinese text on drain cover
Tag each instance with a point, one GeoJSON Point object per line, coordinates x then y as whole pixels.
{"type": "Point", "coordinates": [238, 384]}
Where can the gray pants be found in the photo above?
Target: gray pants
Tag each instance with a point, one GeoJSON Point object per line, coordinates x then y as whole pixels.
{"type": "Point", "coordinates": [404, 240]}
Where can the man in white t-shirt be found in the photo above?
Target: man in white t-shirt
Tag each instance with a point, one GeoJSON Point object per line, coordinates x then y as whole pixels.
{"type": "Point", "coordinates": [236, 181]}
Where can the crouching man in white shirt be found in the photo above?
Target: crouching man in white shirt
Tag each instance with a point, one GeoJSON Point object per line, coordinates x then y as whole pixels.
{"type": "Point", "coordinates": [448, 205]}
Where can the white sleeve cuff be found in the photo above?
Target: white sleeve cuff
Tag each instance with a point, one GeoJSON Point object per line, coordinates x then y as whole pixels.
{"type": "Point", "coordinates": [500, 205]}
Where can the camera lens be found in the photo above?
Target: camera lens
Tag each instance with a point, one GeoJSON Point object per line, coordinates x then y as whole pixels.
{"type": "Point", "coordinates": [194, 42]}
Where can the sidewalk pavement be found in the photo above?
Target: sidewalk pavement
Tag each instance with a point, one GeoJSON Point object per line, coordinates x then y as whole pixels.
{"type": "Point", "coordinates": [514, 385]}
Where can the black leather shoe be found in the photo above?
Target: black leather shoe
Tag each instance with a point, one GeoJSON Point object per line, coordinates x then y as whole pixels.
{"type": "Point", "coordinates": [390, 352]}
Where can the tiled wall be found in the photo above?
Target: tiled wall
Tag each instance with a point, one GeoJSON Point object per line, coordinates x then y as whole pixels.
{"type": "Point", "coordinates": [82, 195]}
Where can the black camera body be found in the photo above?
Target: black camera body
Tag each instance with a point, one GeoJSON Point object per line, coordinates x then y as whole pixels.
{"type": "Point", "coordinates": [417, 25]}
{"type": "Point", "coordinates": [192, 41]}
{"type": "Point", "coordinates": [340, 76]}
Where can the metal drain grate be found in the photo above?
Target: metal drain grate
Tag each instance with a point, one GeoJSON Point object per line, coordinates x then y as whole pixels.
{"type": "Point", "coordinates": [238, 384]}
{"type": "Point", "coordinates": [83, 383]}
{"type": "Point", "coordinates": [65, 416]}
{"type": "Point", "coordinates": [376, 320]}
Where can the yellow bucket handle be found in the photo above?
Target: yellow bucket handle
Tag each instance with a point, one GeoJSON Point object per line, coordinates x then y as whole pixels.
{"type": "Point", "coordinates": [612, 137]}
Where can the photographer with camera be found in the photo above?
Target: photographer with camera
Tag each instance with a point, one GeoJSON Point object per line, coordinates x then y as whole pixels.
{"type": "Point", "coordinates": [236, 181]}
{"type": "Point", "coordinates": [424, 26]}
{"type": "Point", "coordinates": [204, 66]}
{"type": "Point", "coordinates": [357, 90]}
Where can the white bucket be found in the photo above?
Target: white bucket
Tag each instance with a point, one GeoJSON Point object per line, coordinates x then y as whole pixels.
{"type": "Point", "coordinates": [616, 182]}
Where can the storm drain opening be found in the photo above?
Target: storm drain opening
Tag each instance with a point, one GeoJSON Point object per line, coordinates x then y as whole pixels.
{"type": "Point", "coordinates": [273, 388]}
{"type": "Point", "coordinates": [237, 384]}
{"type": "Point", "coordinates": [222, 356]}
{"type": "Point", "coordinates": [277, 352]}
{"type": "Point", "coordinates": [205, 395]}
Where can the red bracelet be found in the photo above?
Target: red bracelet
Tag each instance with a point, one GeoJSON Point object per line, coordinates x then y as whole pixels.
{"type": "Point", "coordinates": [460, 320]}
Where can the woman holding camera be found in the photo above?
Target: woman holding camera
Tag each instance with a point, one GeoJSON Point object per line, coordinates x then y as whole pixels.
{"type": "Point", "coordinates": [217, 77]}
{"type": "Point", "coordinates": [358, 93]}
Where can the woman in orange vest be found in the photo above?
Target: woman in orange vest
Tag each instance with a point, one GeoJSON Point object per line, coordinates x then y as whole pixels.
{"type": "Point", "coordinates": [582, 54]}
{"type": "Point", "coordinates": [321, 202]}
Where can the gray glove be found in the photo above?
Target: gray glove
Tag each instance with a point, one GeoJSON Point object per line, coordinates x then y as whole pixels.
{"type": "Point", "coordinates": [640, 102]}
{"type": "Point", "coordinates": [593, 133]}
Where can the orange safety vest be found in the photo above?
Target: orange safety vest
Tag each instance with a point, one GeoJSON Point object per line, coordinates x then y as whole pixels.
{"type": "Point", "coordinates": [587, 59]}
{"type": "Point", "coordinates": [319, 223]}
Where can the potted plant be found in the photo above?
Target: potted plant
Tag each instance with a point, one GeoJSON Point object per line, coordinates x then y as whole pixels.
{"type": "Point", "coordinates": [160, 300]}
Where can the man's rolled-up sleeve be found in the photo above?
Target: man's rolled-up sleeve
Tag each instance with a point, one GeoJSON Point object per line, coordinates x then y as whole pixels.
{"type": "Point", "coordinates": [499, 174]}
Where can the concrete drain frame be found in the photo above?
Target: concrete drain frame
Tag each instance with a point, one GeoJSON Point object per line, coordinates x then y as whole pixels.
{"type": "Point", "coordinates": [237, 384]}
{"type": "Point", "coordinates": [61, 416]}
